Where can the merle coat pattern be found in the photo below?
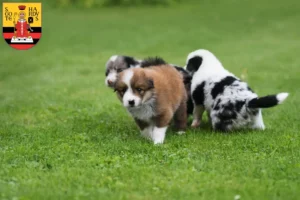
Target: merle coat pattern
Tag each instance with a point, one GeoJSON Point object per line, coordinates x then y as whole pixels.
{"type": "Point", "coordinates": [229, 102]}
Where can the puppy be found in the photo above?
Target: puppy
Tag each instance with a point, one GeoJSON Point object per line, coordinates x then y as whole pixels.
{"type": "Point", "coordinates": [229, 102]}
{"type": "Point", "coordinates": [153, 94]}
{"type": "Point", "coordinates": [118, 63]}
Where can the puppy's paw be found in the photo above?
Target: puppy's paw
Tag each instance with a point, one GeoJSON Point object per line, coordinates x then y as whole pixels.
{"type": "Point", "coordinates": [180, 132]}
{"type": "Point", "coordinates": [158, 142]}
{"type": "Point", "coordinates": [195, 124]}
{"type": "Point", "coordinates": [259, 127]}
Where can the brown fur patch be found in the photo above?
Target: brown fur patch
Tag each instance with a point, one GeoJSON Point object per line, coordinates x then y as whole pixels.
{"type": "Point", "coordinates": [166, 83]}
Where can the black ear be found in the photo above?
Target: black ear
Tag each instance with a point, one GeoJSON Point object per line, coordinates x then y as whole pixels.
{"type": "Point", "coordinates": [194, 64]}
{"type": "Point", "coordinates": [130, 61]}
{"type": "Point", "coordinates": [150, 83]}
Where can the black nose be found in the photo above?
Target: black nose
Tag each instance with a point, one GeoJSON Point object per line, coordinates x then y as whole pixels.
{"type": "Point", "coordinates": [131, 102]}
{"type": "Point", "coordinates": [110, 83]}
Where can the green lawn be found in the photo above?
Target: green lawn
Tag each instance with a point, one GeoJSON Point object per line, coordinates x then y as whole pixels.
{"type": "Point", "coordinates": [64, 135]}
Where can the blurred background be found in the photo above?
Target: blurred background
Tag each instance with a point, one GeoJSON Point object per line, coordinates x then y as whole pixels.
{"type": "Point", "coordinates": [108, 3]}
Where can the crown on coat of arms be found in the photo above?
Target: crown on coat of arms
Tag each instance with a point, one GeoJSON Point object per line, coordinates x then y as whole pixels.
{"type": "Point", "coordinates": [22, 7]}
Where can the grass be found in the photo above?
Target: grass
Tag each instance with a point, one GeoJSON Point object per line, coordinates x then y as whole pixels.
{"type": "Point", "coordinates": [64, 135]}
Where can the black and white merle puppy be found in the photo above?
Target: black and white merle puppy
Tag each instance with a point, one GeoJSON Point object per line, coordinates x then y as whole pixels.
{"type": "Point", "coordinates": [118, 63]}
{"type": "Point", "coordinates": [229, 102]}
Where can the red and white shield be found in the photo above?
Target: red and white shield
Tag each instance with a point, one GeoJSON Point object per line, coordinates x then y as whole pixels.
{"type": "Point", "coordinates": [22, 24]}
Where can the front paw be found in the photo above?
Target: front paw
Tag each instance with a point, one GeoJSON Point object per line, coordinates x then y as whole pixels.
{"type": "Point", "coordinates": [180, 132]}
{"type": "Point", "coordinates": [158, 142]}
{"type": "Point", "coordinates": [195, 124]}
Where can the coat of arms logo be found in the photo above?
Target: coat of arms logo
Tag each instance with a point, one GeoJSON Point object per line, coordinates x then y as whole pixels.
{"type": "Point", "coordinates": [22, 24]}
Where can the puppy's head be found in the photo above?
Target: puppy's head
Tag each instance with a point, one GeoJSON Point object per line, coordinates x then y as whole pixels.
{"type": "Point", "coordinates": [202, 58]}
{"type": "Point", "coordinates": [134, 88]}
{"type": "Point", "coordinates": [117, 64]}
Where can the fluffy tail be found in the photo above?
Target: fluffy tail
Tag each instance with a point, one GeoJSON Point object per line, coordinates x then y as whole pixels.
{"type": "Point", "coordinates": [267, 101]}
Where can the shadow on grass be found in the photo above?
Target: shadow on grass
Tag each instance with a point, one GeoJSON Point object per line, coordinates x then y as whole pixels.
{"type": "Point", "coordinates": [117, 126]}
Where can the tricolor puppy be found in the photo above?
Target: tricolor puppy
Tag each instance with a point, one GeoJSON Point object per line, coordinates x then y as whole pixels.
{"type": "Point", "coordinates": [153, 94]}
{"type": "Point", "coordinates": [229, 102]}
{"type": "Point", "coordinates": [118, 63]}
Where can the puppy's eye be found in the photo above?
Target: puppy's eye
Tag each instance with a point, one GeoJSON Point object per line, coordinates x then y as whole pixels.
{"type": "Point", "coordinates": [139, 89]}
{"type": "Point", "coordinates": [119, 70]}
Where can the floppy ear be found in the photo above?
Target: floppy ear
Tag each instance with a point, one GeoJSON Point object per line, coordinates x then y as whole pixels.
{"type": "Point", "coordinates": [150, 83]}
{"type": "Point", "coordinates": [194, 63]}
{"type": "Point", "coordinates": [130, 61]}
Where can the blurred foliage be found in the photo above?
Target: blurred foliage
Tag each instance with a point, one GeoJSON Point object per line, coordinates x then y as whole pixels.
{"type": "Point", "coordinates": [104, 3]}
